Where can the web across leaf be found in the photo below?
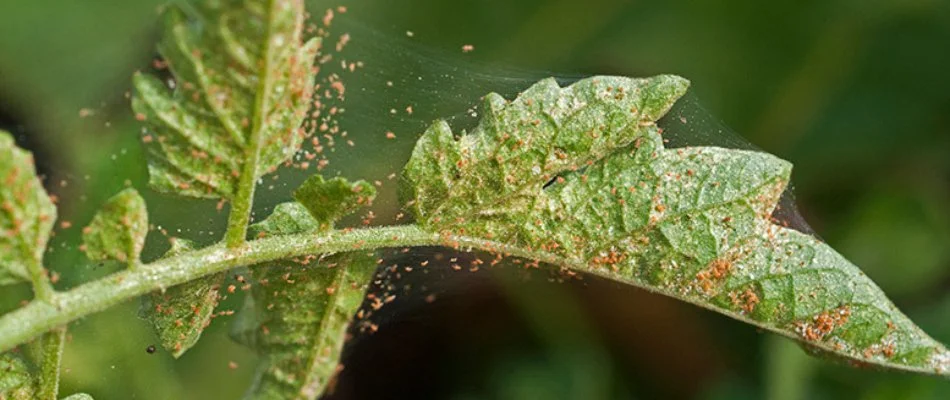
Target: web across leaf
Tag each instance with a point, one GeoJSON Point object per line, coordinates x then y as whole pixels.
{"type": "Point", "coordinates": [582, 173]}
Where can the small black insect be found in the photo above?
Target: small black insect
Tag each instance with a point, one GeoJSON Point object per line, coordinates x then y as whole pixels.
{"type": "Point", "coordinates": [150, 349]}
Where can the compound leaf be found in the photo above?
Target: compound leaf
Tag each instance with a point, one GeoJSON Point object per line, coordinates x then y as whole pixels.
{"type": "Point", "coordinates": [26, 215]}
{"type": "Point", "coordinates": [580, 174]}
{"type": "Point", "coordinates": [297, 314]}
{"type": "Point", "coordinates": [243, 85]}
{"type": "Point", "coordinates": [118, 230]}
{"type": "Point", "coordinates": [181, 313]}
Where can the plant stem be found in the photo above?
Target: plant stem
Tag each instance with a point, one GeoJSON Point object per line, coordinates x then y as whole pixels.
{"type": "Point", "coordinates": [52, 343]}
{"type": "Point", "coordinates": [241, 209]}
{"type": "Point", "coordinates": [52, 353]}
{"type": "Point", "coordinates": [38, 317]}
{"type": "Point", "coordinates": [42, 288]}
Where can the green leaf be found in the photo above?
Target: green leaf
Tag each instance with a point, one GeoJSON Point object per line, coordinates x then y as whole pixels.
{"type": "Point", "coordinates": [26, 215]}
{"type": "Point", "coordinates": [297, 320]}
{"type": "Point", "coordinates": [243, 83]}
{"type": "Point", "coordinates": [297, 315]}
{"type": "Point", "coordinates": [181, 313]}
{"type": "Point", "coordinates": [581, 173]}
{"type": "Point", "coordinates": [15, 379]}
{"type": "Point", "coordinates": [118, 230]}
{"type": "Point", "coordinates": [319, 205]}
{"type": "Point", "coordinates": [331, 200]}
{"type": "Point", "coordinates": [287, 219]}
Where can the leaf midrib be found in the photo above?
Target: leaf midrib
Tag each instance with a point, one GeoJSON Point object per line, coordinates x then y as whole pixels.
{"type": "Point", "coordinates": [243, 199]}
{"type": "Point", "coordinates": [525, 189]}
{"type": "Point", "coordinates": [322, 332]}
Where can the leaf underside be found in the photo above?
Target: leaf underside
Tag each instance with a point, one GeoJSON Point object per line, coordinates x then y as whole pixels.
{"type": "Point", "coordinates": [26, 213]}
{"type": "Point", "coordinates": [581, 173]}
{"type": "Point", "coordinates": [302, 311]}
{"type": "Point", "coordinates": [181, 313]}
{"type": "Point", "coordinates": [297, 314]}
{"type": "Point", "coordinates": [118, 230]}
{"type": "Point", "coordinates": [243, 68]}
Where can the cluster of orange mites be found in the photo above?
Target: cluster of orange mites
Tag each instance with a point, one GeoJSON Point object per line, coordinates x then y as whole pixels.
{"type": "Point", "coordinates": [610, 259]}
{"type": "Point", "coordinates": [746, 300]}
{"type": "Point", "coordinates": [823, 324]}
{"type": "Point", "coordinates": [887, 349]}
{"type": "Point", "coordinates": [715, 272]}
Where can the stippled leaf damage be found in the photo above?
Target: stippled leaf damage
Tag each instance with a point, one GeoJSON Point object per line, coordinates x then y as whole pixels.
{"type": "Point", "coordinates": [581, 172]}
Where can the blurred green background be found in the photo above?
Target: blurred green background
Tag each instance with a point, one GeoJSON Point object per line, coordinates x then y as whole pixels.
{"type": "Point", "coordinates": [856, 93]}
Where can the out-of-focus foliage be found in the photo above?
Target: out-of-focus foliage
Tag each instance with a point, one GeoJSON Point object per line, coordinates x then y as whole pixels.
{"type": "Point", "coordinates": [851, 92]}
{"type": "Point", "coordinates": [15, 379]}
{"type": "Point", "coordinates": [26, 217]}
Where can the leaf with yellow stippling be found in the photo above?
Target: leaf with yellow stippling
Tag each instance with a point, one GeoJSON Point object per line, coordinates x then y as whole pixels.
{"type": "Point", "coordinates": [581, 174]}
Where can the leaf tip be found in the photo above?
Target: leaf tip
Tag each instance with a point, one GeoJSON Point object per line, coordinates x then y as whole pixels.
{"type": "Point", "coordinates": [662, 92]}
{"type": "Point", "coordinates": [941, 362]}
{"type": "Point", "coordinates": [173, 15]}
